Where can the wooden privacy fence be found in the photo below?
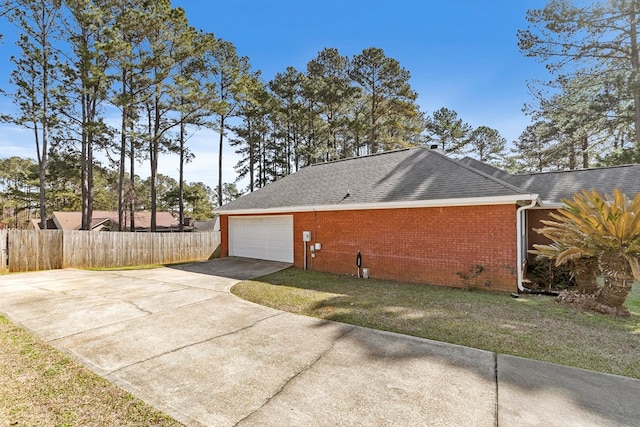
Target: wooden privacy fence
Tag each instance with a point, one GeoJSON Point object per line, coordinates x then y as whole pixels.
{"type": "Point", "coordinates": [31, 250]}
{"type": "Point", "coordinates": [3, 251]}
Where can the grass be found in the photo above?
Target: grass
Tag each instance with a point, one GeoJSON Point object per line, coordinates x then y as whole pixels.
{"type": "Point", "coordinates": [534, 327]}
{"type": "Point", "coordinates": [137, 267]}
{"type": "Point", "coordinates": [43, 387]}
{"type": "Point", "coordinates": [127, 267]}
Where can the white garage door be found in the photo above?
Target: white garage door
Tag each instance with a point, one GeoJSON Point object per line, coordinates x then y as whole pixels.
{"type": "Point", "coordinates": [262, 237]}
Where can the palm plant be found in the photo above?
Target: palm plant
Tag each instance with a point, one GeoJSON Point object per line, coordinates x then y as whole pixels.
{"type": "Point", "coordinates": [584, 269]}
{"type": "Point", "coordinates": [603, 228]}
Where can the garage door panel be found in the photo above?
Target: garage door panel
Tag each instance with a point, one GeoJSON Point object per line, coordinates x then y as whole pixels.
{"type": "Point", "coordinates": [262, 237]}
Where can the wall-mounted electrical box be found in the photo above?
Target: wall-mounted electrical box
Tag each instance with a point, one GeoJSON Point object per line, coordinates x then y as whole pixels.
{"type": "Point", "coordinates": [306, 236]}
{"type": "Point", "coordinates": [318, 246]}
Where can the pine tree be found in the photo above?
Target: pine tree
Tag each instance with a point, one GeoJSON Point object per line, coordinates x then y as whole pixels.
{"type": "Point", "coordinates": [387, 89]}
{"type": "Point", "coordinates": [599, 40]}
{"type": "Point", "coordinates": [487, 145]}
{"type": "Point", "coordinates": [447, 130]}
{"type": "Point", "coordinates": [36, 78]}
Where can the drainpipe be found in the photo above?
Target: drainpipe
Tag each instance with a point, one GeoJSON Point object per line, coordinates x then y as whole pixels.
{"type": "Point", "coordinates": [519, 241]}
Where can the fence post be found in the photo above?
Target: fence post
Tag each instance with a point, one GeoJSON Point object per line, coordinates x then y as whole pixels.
{"type": "Point", "coordinates": [4, 258]}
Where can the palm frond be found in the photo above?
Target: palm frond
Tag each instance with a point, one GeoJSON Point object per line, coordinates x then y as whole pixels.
{"type": "Point", "coordinates": [591, 222]}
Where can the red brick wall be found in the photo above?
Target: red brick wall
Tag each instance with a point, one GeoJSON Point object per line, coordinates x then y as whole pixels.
{"type": "Point", "coordinates": [421, 245]}
{"type": "Point", "coordinates": [224, 235]}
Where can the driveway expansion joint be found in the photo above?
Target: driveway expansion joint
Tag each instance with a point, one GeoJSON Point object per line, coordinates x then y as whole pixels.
{"type": "Point", "coordinates": [151, 279]}
{"type": "Point", "coordinates": [174, 350]}
{"type": "Point", "coordinates": [497, 384]}
{"type": "Point", "coordinates": [554, 394]}
{"type": "Point", "coordinates": [348, 329]}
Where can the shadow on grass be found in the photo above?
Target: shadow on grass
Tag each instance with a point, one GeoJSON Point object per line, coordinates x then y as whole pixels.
{"type": "Point", "coordinates": [344, 299]}
{"type": "Point", "coordinates": [608, 398]}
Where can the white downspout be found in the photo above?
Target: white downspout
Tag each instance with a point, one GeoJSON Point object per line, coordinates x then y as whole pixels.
{"type": "Point", "coordinates": [519, 243]}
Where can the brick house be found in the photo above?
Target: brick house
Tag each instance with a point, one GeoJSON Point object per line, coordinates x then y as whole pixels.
{"type": "Point", "coordinates": [414, 215]}
{"type": "Point", "coordinates": [553, 187]}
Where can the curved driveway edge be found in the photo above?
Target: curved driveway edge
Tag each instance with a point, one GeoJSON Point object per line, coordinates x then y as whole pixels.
{"type": "Point", "coordinates": [178, 339]}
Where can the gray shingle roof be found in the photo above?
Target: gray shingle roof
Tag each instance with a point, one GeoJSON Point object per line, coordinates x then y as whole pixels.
{"type": "Point", "coordinates": [416, 174]}
{"type": "Point", "coordinates": [486, 168]}
{"type": "Point", "coordinates": [555, 186]}
{"type": "Point", "coordinates": [421, 174]}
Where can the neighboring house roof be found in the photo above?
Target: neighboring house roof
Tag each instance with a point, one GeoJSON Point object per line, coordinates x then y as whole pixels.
{"type": "Point", "coordinates": [402, 176]}
{"type": "Point", "coordinates": [67, 220]}
{"type": "Point", "coordinates": [553, 187]}
{"type": "Point", "coordinates": [73, 220]}
{"type": "Point", "coordinates": [34, 224]}
{"type": "Point", "coordinates": [211, 225]}
{"type": "Point", "coordinates": [164, 220]}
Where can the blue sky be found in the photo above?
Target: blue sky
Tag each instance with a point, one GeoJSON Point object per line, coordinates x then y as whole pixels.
{"type": "Point", "coordinates": [462, 54]}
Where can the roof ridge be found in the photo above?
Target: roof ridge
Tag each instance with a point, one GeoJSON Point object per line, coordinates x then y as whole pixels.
{"type": "Point", "coordinates": [363, 157]}
{"type": "Point", "coordinates": [579, 170]}
{"type": "Point", "coordinates": [485, 164]}
{"type": "Point", "coordinates": [479, 172]}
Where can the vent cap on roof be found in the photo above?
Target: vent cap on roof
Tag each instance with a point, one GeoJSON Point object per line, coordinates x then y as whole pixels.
{"type": "Point", "coordinates": [436, 147]}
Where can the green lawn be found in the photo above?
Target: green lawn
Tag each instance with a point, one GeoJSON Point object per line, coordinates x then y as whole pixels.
{"type": "Point", "coordinates": [534, 327]}
{"type": "Point", "coordinates": [42, 387]}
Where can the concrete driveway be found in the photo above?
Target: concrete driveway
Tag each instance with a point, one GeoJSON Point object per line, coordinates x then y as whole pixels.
{"type": "Point", "coordinates": [178, 339]}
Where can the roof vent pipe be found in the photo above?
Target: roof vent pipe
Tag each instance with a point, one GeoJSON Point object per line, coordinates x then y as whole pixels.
{"type": "Point", "coordinates": [437, 149]}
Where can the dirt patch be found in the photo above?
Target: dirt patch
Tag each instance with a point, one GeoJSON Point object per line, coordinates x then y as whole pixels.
{"type": "Point", "coordinates": [588, 302]}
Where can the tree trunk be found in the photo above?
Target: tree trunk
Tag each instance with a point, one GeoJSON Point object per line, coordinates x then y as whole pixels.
{"type": "Point", "coordinates": [585, 272]}
{"type": "Point", "coordinates": [132, 181]}
{"type": "Point", "coordinates": [153, 158]}
{"type": "Point", "coordinates": [635, 63]}
{"type": "Point", "coordinates": [181, 178]}
{"type": "Point", "coordinates": [220, 146]}
{"type": "Point", "coordinates": [90, 180]}
{"type": "Point", "coordinates": [42, 174]}
{"type": "Point", "coordinates": [618, 280]}
{"type": "Point", "coordinates": [373, 146]}
{"type": "Point", "coordinates": [123, 154]}
{"type": "Point", "coordinates": [42, 163]}
{"type": "Point", "coordinates": [252, 161]}
{"type": "Point", "coordinates": [572, 156]}
{"type": "Point", "coordinates": [83, 164]}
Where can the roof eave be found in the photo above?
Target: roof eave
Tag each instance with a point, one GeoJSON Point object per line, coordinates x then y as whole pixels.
{"type": "Point", "coordinates": [439, 203]}
{"type": "Point", "coordinates": [550, 204]}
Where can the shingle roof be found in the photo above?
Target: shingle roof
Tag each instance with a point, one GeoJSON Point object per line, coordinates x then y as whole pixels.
{"type": "Point", "coordinates": [73, 220]}
{"type": "Point", "coordinates": [407, 175]}
{"type": "Point", "coordinates": [558, 185]}
{"type": "Point", "coordinates": [486, 168]}
{"type": "Point", "coordinates": [555, 186]}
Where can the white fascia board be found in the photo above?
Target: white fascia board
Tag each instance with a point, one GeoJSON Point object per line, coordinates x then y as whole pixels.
{"type": "Point", "coordinates": [440, 203]}
{"type": "Point", "coordinates": [547, 204]}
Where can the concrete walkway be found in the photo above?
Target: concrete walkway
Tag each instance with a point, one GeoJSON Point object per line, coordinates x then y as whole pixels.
{"type": "Point", "coordinates": [178, 339]}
